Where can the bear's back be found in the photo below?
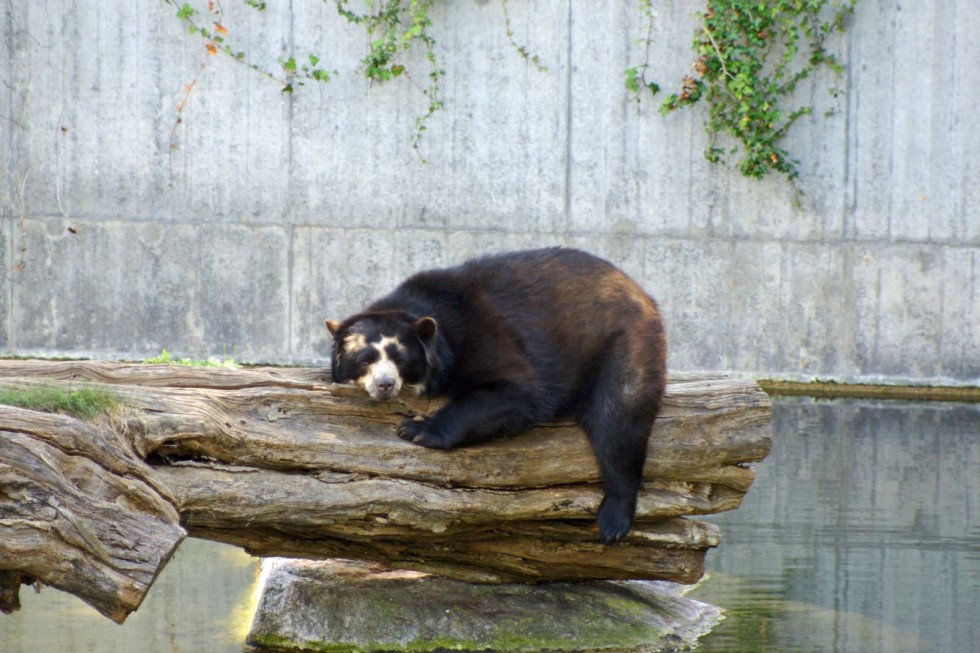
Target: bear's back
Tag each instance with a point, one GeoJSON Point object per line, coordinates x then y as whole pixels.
{"type": "Point", "coordinates": [565, 310]}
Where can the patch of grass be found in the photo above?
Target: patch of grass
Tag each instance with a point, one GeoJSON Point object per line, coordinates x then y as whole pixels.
{"type": "Point", "coordinates": [84, 403]}
{"type": "Point", "coordinates": [836, 390]}
{"type": "Point", "coordinates": [166, 359]}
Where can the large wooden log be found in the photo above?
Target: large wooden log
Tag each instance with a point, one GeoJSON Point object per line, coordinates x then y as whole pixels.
{"type": "Point", "coordinates": [80, 512]}
{"type": "Point", "coordinates": [710, 426]}
{"type": "Point", "coordinates": [470, 534]}
{"type": "Point", "coordinates": [281, 462]}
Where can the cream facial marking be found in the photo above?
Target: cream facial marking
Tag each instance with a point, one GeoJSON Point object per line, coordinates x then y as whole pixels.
{"type": "Point", "coordinates": [381, 379]}
{"type": "Point", "coordinates": [354, 341]}
{"type": "Point", "coordinates": [388, 340]}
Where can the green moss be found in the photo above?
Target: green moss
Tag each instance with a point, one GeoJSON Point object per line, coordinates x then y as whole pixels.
{"type": "Point", "coordinates": [529, 635]}
{"type": "Point", "coordinates": [84, 403]}
{"type": "Point", "coordinates": [835, 390]}
{"type": "Point", "coordinates": [515, 642]}
{"type": "Point", "coordinates": [277, 643]}
{"type": "Point", "coordinates": [266, 643]}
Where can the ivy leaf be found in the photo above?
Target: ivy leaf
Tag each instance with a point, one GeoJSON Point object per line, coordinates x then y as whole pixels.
{"type": "Point", "coordinates": [185, 12]}
{"type": "Point", "coordinates": [633, 80]}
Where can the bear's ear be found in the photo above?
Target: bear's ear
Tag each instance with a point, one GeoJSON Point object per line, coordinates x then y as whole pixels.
{"type": "Point", "coordinates": [332, 327]}
{"type": "Point", "coordinates": [425, 328]}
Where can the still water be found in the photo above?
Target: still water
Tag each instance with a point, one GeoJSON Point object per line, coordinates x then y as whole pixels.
{"type": "Point", "coordinates": [202, 602]}
{"type": "Point", "coordinates": [861, 533]}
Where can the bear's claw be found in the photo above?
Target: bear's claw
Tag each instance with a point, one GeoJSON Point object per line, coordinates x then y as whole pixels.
{"type": "Point", "coordinates": [615, 519]}
{"type": "Point", "coordinates": [417, 430]}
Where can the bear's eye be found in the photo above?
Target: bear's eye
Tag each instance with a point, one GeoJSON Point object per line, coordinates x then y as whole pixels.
{"type": "Point", "coordinates": [364, 360]}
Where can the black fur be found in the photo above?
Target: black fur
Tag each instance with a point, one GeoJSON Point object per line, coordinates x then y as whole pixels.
{"type": "Point", "coordinates": [525, 338]}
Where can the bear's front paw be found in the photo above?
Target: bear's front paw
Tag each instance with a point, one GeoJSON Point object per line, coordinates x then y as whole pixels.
{"type": "Point", "coordinates": [419, 430]}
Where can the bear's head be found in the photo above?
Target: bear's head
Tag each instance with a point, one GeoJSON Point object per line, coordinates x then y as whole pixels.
{"type": "Point", "coordinates": [383, 352]}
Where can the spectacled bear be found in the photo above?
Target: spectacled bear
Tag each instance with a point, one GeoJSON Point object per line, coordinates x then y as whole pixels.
{"type": "Point", "coordinates": [514, 340]}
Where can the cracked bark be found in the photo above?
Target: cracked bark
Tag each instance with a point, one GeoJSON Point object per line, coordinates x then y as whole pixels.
{"type": "Point", "coordinates": [283, 463]}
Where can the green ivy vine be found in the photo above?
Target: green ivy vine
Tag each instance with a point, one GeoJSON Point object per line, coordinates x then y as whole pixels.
{"type": "Point", "coordinates": [750, 55]}
{"type": "Point", "coordinates": [395, 26]}
{"type": "Point", "coordinates": [399, 25]}
{"type": "Point", "coordinates": [217, 40]}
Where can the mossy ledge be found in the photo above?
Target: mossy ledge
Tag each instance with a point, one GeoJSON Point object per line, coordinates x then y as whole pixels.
{"type": "Point", "coordinates": [83, 403]}
{"type": "Point", "coordinates": [837, 390]}
{"type": "Point", "coordinates": [406, 612]}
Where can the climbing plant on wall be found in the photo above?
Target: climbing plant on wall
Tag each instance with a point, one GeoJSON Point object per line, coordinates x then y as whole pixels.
{"type": "Point", "coordinates": [394, 27]}
{"type": "Point", "coordinates": [748, 58]}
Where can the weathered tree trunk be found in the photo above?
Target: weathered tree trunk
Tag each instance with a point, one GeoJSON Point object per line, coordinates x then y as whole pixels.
{"type": "Point", "coordinates": [281, 462]}
{"type": "Point", "coordinates": [79, 511]}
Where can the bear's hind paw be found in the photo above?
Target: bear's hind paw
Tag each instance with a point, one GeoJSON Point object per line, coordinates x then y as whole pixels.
{"type": "Point", "coordinates": [615, 520]}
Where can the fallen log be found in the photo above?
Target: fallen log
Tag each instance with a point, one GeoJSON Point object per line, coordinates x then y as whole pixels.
{"type": "Point", "coordinates": [80, 512]}
{"type": "Point", "coordinates": [475, 535]}
{"type": "Point", "coordinates": [281, 462]}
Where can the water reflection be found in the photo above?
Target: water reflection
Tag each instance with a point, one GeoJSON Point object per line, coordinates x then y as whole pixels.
{"type": "Point", "coordinates": [202, 601]}
{"type": "Point", "coordinates": [861, 533]}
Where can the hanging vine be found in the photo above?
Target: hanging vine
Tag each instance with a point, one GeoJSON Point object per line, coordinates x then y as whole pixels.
{"type": "Point", "coordinates": [209, 25]}
{"type": "Point", "coordinates": [398, 26]}
{"type": "Point", "coordinates": [750, 56]}
{"type": "Point", "coordinates": [636, 77]}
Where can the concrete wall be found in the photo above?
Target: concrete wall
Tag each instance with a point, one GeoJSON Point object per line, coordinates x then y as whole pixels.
{"type": "Point", "coordinates": [263, 213]}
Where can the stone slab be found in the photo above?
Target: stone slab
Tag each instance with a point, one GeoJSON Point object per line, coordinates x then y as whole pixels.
{"type": "Point", "coordinates": [345, 606]}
